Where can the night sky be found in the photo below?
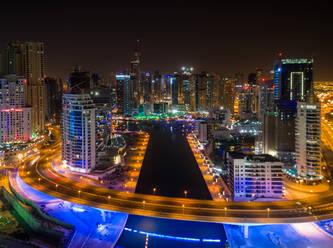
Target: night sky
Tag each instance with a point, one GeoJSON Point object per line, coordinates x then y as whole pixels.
{"type": "Point", "coordinates": [211, 36]}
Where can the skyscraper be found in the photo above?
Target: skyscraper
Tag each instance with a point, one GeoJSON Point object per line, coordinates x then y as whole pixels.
{"type": "Point", "coordinates": [78, 132]}
{"type": "Point", "coordinates": [284, 129]}
{"type": "Point", "coordinates": [202, 91]}
{"type": "Point", "coordinates": [157, 86]}
{"type": "Point", "coordinates": [186, 84]}
{"type": "Point", "coordinates": [27, 59]}
{"type": "Point", "coordinates": [15, 116]}
{"type": "Point", "coordinates": [147, 87]}
{"type": "Point", "coordinates": [293, 79]}
{"type": "Point", "coordinates": [135, 74]}
{"type": "Point", "coordinates": [54, 96]}
{"type": "Point", "coordinates": [217, 92]}
{"type": "Point", "coordinates": [167, 88]}
{"type": "Point", "coordinates": [247, 102]}
{"type": "Point", "coordinates": [174, 80]}
{"type": "Point", "coordinates": [79, 80]}
{"type": "Point", "coordinates": [308, 141]}
{"type": "Point", "coordinates": [124, 92]}
{"type": "Point", "coordinates": [228, 93]}
{"type": "Point", "coordinates": [239, 82]}
{"type": "Point", "coordinates": [259, 77]}
{"type": "Point", "coordinates": [252, 79]}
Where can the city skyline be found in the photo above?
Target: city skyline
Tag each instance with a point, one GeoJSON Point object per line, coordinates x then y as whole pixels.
{"type": "Point", "coordinates": [102, 38]}
{"type": "Point", "coordinates": [166, 124]}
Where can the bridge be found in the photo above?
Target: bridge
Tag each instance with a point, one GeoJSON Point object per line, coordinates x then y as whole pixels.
{"type": "Point", "coordinates": [43, 177]}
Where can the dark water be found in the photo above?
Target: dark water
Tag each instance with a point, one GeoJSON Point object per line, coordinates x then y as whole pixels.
{"type": "Point", "coordinates": [170, 167]}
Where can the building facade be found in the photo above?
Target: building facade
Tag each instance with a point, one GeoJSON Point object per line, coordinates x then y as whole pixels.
{"type": "Point", "coordinates": [124, 92]}
{"type": "Point", "coordinates": [78, 132]}
{"type": "Point", "coordinates": [15, 117]}
{"type": "Point", "coordinates": [28, 59]}
{"type": "Point", "coordinates": [308, 141]}
{"type": "Point", "coordinates": [293, 79]}
{"type": "Point", "coordinates": [254, 177]}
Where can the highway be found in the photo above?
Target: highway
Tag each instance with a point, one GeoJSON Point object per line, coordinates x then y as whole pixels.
{"type": "Point", "coordinates": [42, 177]}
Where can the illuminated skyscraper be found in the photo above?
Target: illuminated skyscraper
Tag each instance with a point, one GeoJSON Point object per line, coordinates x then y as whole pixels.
{"type": "Point", "coordinates": [78, 132]}
{"type": "Point", "coordinates": [186, 84]}
{"type": "Point", "coordinates": [239, 82]}
{"type": "Point", "coordinates": [202, 91]}
{"type": "Point", "coordinates": [217, 92]}
{"type": "Point", "coordinates": [27, 59]}
{"type": "Point", "coordinates": [247, 103]}
{"type": "Point", "coordinates": [147, 87]}
{"type": "Point", "coordinates": [293, 79]}
{"type": "Point", "coordinates": [157, 86]}
{"type": "Point", "coordinates": [15, 116]}
{"type": "Point", "coordinates": [124, 92]}
{"type": "Point", "coordinates": [259, 77]}
{"type": "Point", "coordinates": [174, 80]}
{"type": "Point", "coordinates": [135, 73]}
{"type": "Point", "coordinates": [308, 141]}
{"type": "Point", "coordinates": [228, 93]}
{"type": "Point", "coordinates": [167, 88]}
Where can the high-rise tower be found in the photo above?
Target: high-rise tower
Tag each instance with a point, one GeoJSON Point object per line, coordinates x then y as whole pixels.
{"type": "Point", "coordinates": [308, 140]}
{"type": "Point", "coordinates": [27, 59]}
{"type": "Point", "coordinates": [293, 79]}
{"type": "Point", "coordinates": [135, 74]}
{"type": "Point", "coordinates": [78, 132]}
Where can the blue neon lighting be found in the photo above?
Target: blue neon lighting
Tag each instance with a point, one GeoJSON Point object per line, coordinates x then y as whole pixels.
{"type": "Point", "coordinates": [211, 240]}
{"type": "Point", "coordinates": [156, 235]}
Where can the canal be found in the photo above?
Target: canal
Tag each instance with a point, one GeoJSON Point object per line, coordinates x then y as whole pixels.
{"type": "Point", "coordinates": [169, 166]}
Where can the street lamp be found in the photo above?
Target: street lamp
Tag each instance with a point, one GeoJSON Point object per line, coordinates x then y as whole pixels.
{"type": "Point", "coordinates": [185, 193]}
{"type": "Point", "coordinates": [143, 204]}
{"type": "Point", "coordinates": [154, 190]}
{"type": "Point", "coordinates": [268, 209]}
{"type": "Point", "coordinates": [183, 208]}
{"type": "Point", "coordinates": [79, 193]}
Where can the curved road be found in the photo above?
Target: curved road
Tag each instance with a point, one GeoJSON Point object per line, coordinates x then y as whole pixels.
{"type": "Point", "coordinates": [42, 177]}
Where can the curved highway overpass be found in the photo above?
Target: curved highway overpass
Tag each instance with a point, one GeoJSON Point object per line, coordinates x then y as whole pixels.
{"type": "Point", "coordinates": [42, 177]}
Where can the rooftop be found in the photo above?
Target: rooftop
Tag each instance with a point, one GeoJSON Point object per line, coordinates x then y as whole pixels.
{"type": "Point", "coordinates": [250, 158]}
